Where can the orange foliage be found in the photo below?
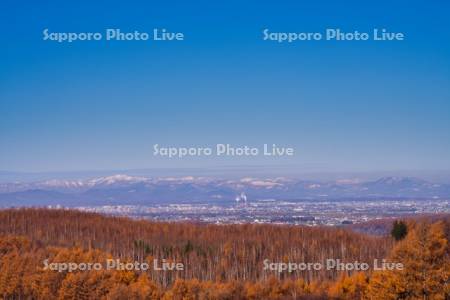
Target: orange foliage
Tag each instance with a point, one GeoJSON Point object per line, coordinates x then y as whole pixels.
{"type": "Point", "coordinates": [225, 262]}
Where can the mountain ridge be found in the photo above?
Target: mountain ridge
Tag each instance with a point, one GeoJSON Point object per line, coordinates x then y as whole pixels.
{"type": "Point", "coordinates": [125, 189]}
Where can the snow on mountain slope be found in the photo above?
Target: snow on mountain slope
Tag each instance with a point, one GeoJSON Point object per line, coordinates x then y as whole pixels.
{"type": "Point", "coordinates": [123, 188]}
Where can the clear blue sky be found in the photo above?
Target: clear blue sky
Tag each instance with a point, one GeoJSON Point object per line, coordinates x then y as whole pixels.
{"type": "Point", "coordinates": [342, 105]}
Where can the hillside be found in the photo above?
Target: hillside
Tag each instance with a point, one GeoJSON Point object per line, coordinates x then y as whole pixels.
{"type": "Point", "coordinates": [215, 258]}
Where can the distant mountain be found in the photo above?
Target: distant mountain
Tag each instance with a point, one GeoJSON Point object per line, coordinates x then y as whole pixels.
{"type": "Point", "coordinates": [124, 189]}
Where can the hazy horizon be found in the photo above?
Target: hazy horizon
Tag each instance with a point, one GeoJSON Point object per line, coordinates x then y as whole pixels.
{"type": "Point", "coordinates": [232, 172]}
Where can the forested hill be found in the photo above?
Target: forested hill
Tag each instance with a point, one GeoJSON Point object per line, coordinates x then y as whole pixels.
{"type": "Point", "coordinates": [217, 258]}
{"type": "Point", "coordinates": [210, 251]}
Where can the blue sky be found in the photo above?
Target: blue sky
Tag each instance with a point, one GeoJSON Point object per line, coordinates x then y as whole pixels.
{"type": "Point", "coordinates": [344, 106]}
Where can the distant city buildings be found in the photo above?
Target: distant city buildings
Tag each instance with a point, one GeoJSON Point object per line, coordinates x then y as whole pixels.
{"type": "Point", "coordinates": [311, 213]}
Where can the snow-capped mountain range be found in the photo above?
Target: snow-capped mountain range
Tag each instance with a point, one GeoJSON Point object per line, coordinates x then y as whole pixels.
{"type": "Point", "coordinates": [125, 189]}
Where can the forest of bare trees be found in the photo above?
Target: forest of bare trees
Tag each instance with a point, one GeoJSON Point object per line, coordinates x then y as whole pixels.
{"type": "Point", "coordinates": [221, 261]}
